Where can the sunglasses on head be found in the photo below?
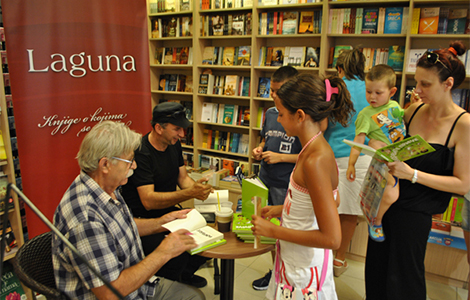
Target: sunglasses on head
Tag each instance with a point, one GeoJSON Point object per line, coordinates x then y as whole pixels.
{"type": "Point", "coordinates": [433, 58]}
{"type": "Point", "coordinates": [177, 114]}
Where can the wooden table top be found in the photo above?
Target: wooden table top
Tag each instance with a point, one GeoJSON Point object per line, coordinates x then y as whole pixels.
{"type": "Point", "coordinates": [236, 248]}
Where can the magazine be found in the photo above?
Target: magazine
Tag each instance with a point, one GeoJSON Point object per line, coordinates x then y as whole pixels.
{"type": "Point", "coordinates": [403, 150]}
{"type": "Point", "coordinates": [375, 181]}
{"type": "Point", "coordinates": [372, 189]}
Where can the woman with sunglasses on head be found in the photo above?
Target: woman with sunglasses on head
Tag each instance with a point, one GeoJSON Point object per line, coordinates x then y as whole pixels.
{"type": "Point", "coordinates": [395, 268]}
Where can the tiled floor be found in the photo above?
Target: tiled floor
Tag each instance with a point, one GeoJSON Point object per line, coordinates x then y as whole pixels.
{"type": "Point", "coordinates": [349, 286]}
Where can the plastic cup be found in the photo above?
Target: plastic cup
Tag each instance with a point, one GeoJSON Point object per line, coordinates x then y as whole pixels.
{"type": "Point", "coordinates": [227, 204]}
{"type": "Point", "coordinates": [223, 218]}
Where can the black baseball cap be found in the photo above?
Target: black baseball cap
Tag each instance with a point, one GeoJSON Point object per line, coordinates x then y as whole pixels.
{"type": "Point", "coordinates": [170, 112]}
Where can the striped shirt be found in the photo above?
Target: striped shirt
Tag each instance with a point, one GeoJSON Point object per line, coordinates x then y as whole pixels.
{"type": "Point", "coordinates": [103, 231]}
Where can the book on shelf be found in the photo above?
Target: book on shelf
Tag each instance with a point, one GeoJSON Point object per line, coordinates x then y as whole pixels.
{"type": "Point", "coordinates": [381, 20]}
{"type": "Point", "coordinates": [277, 58]}
{"type": "Point", "coordinates": [413, 56]}
{"type": "Point", "coordinates": [10, 240]}
{"type": "Point", "coordinates": [443, 20]}
{"type": "Point", "coordinates": [252, 187]}
{"type": "Point", "coordinates": [158, 58]}
{"type": "Point", "coordinates": [207, 111]}
{"type": "Point", "coordinates": [243, 144]}
{"type": "Point", "coordinates": [188, 85]}
{"type": "Point", "coordinates": [264, 87]}
{"type": "Point", "coordinates": [370, 20]}
{"type": "Point", "coordinates": [404, 23]}
{"type": "Point", "coordinates": [312, 57]}
{"type": "Point", "coordinates": [208, 55]}
{"type": "Point", "coordinates": [415, 20]}
{"type": "Point", "coordinates": [218, 25]}
{"type": "Point", "coordinates": [245, 87]}
{"type": "Point", "coordinates": [428, 20]}
{"type": "Point", "coordinates": [228, 114]}
{"type": "Point", "coordinates": [289, 22]}
{"type": "Point", "coordinates": [231, 85]}
{"type": "Point", "coordinates": [185, 5]}
{"type": "Point", "coordinates": [457, 21]}
{"type": "Point", "coordinates": [3, 153]}
{"type": "Point", "coordinates": [155, 27]}
{"type": "Point", "coordinates": [172, 84]}
{"type": "Point", "coordinates": [238, 24]}
{"type": "Point", "coordinates": [206, 84]}
{"type": "Point", "coordinates": [187, 26]}
{"type": "Point", "coordinates": [396, 56]}
{"type": "Point", "coordinates": [170, 6]}
{"type": "Point", "coordinates": [295, 56]}
{"type": "Point", "coordinates": [337, 51]}
{"type": "Point", "coordinates": [403, 150]}
{"type": "Point", "coordinates": [306, 22]}
{"type": "Point", "coordinates": [202, 234]}
{"type": "Point", "coordinates": [244, 56]}
{"type": "Point", "coordinates": [358, 23]}
{"type": "Point", "coordinates": [393, 20]}
{"type": "Point", "coordinates": [228, 56]}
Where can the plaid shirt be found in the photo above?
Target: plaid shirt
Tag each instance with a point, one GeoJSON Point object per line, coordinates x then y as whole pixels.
{"type": "Point", "coordinates": [104, 233]}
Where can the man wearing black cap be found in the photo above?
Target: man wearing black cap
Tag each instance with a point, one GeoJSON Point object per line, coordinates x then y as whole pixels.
{"type": "Point", "coordinates": [152, 190]}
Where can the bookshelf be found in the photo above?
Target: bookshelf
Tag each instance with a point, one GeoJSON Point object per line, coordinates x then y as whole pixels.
{"type": "Point", "coordinates": [8, 168]}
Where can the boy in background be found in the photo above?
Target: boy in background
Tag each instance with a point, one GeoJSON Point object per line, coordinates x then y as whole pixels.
{"type": "Point", "coordinates": [278, 153]}
{"type": "Point", "coordinates": [382, 121]}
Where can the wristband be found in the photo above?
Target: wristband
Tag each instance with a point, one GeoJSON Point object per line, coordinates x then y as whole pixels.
{"type": "Point", "coordinates": [415, 176]}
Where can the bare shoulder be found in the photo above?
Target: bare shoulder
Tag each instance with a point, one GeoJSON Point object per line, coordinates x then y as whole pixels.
{"type": "Point", "coordinates": [409, 111]}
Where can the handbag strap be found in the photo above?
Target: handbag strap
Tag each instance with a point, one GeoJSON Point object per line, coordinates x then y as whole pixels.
{"type": "Point", "coordinates": [277, 263]}
{"type": "Point", "coordinates": [324, 268]}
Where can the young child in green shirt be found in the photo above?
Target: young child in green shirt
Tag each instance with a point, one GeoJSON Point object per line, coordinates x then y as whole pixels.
{"type": "Point", "coordinates": [381, 121]}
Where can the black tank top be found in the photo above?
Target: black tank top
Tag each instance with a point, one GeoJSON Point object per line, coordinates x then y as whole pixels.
{"type": "Point", "coordinates": [420, 198]}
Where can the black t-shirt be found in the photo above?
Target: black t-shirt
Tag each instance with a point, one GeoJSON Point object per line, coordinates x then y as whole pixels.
{"type": "Point", "coordinates": [153, 167]}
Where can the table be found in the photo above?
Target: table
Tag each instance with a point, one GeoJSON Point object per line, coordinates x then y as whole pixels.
{"type": "Point", "coordinates": [234, 248]}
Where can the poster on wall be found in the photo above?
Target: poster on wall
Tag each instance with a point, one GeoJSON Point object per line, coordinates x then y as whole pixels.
{"type": "Point", "coordinates": [72, 65]}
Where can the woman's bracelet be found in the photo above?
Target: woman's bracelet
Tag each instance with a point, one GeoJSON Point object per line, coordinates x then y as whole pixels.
{"type": "Point", "coordinates": [415, 176]}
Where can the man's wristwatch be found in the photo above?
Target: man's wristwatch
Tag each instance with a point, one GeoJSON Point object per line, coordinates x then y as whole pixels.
{"type": "Point", "coordinates": [415, 176]}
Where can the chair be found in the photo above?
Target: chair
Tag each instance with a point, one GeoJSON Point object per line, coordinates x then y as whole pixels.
{"type": "Point", "coordinates": [33, 266]}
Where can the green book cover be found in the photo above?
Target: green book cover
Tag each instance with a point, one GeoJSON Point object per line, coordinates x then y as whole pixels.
{"type": "Point", "coordinates": [252, 187]}
{"type": "Point", "coordinates": [228, 114]}
{"type": "Point", "coordinates": [207, 247]}
{"type": "Point", "coordinates": [242, 226]}
{"type": "Point", "coordinates": [11, 286]}
{"type": "Point", "coordinates": [403, 150]}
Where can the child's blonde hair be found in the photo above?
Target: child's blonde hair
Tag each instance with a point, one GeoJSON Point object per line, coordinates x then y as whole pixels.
{"type": "Point", "coordinates": [382, 72]}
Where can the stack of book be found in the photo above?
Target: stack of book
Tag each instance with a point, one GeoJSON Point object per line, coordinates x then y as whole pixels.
{"type": "Point", "coordinates": [241, 226]}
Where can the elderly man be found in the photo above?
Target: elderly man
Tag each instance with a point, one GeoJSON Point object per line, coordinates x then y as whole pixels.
{"type": "Point", "coordinates": [95, 219]}
{"type": "Point", "coordinates": [152, 190]}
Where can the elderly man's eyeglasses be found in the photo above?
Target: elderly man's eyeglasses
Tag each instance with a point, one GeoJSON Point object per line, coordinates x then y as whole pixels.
{"type": "Point", "coordinates": [433, 58]}
{"type": "Point", "coordinates": [177, 114]}
{"type": "Point", "coordinates": [124, 160]}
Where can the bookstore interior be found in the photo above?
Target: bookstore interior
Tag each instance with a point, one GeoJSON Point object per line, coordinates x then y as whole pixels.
{"type": "Point", "coordinates": [216, 58]}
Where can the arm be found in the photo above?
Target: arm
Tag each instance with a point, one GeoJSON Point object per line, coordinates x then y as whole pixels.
{"type": "Point", "coordinates": [189, 189]}
{"type": "Point", "coordinates": [329, 233]}
{"type": "Point", "coordinates": [271, 157]}
{"type": "Point", "coordinates": [353, 156]}
{"type": "Point", "coordinates": [134, 277]}
{"type": "Point", "coordinates": [459, 183]}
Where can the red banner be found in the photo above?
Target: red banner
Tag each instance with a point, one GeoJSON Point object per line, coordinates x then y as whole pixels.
{"type": "Point", "coordinates": [72, 65]}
